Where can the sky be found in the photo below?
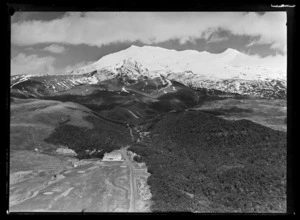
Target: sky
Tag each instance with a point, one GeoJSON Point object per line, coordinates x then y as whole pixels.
{"type": "Point", "coordinates": [56, 42]}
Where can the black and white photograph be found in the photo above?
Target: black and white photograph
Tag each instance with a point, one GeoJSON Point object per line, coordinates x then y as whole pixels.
{"type": "Point", "coordinates": [148, 111]}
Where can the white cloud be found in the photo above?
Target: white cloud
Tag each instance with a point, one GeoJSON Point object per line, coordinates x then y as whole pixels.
{"type": "Point", "coordinates": [98, 28]}
{"type": "Point", "coordinates": [251, 43]}
{"type": "Point", "coordinates": [77, 65]}
{"type": "Point", "coordinates": [32, 64]}
{"type": "Point", "coordinates": [214, 38]}
{"type": "Point", "coordinates": [54, 48]}
{"type": "Point", "coordinates": [278, 62]}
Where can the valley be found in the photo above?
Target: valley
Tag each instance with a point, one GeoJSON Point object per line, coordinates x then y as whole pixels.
{"type": "Point", "coordinates": [213, 146]}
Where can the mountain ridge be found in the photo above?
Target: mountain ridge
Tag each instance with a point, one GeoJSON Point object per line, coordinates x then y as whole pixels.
{"type": "Point", "coordinates": [224, 72]}
{"type": "Point", "coordinates": [225, 65]}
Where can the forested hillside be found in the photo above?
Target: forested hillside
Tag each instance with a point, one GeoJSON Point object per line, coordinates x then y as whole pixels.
{"type": "Point", "coordinates": [202, 163]}
{"type": "Point", "coordinates": [104, 137]}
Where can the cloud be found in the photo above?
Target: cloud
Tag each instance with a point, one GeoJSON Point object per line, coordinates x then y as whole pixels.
{"type": "Point", "coordinates": [99, 28]}
{"type": "Point", "coordinates": [277, 62]}
{"type": "Point", "coordinates": [77, 65]}
{"type": "Point", "coordinates": [29, 48]}
{"type": "Point", "coordinates": [19, 16]}
{"type": "Point", "coordinates": [54, 48]}
{"type": "Point", "coordinates": [214, 38]}
{"type": "Point", "coordinates": [251, 43]}
{"type": "Point", "coordinates": [32, 64]}
{"type": "Point", "coordinates": [279, 46]}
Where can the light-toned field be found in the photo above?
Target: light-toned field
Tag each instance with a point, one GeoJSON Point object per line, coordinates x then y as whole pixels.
{"type": "Point", "coordinates": [270, 113]}
{"type": "Point", "coordinates": [60, 184]}
{"type": "Point", "coordinates": [56, 186]}
{"type": "Point", "coordinates": [41, 180]}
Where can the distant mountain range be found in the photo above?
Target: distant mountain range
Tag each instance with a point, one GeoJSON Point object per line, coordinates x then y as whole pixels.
{"type": "Point", "coordinates": [230, 71]}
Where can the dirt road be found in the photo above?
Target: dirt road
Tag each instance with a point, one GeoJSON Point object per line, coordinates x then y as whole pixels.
{"type": "Point", "coordinates": [132, 180]}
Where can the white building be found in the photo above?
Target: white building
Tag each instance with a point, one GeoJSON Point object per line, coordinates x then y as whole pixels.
{"type": "Point", "coordinates": [113, 156]}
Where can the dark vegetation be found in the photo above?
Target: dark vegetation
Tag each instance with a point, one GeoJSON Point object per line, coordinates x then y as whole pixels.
{"type": "Point", "coordinates": [145, 85]}
{"type": "Point", "coordinates": [203, 163]}
{"type": "Point", "coordinates": [105, 137]}
{"type": "Point", "coordinates": [166, 105]}
{"type": "Point", "coordinates": [198, 162]}
{"type": "Point", "coordinates": [206, 95]}
{"type": "Point", "coordinates": [114, 105]}
{"type": "Point", "coordinates": [225, 111]}
{"type": "Point", "coordinates": [39, 86]}
{"type": "Point", "coordinates": [117, 114]}
{"type": "Point", "coordinates": [151, 85]}
{"type": "Point", "coordinates": [215, 92]}
{"type": "Point", "coordinates": [97, 101]}
{"type": "Point", "coordinates": [182, 99]}
{"type": "Point", "coordinates": [187, 96]}
{"type": "Point", "coordinates": [29, 89]}
{"type": "Point", "coordinates": [81, 90]}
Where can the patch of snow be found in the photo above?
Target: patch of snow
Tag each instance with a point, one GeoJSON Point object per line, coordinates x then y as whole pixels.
{"type": "Point", "coordinates": [148, 60]}
{"type": "Point", "coordinates": [124, 90]}
{"type": "Point", "coordinates": [93, 80]}
{"type": "Point", "coordinates": [21, 80]}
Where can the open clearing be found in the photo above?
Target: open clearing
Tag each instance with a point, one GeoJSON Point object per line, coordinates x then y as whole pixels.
{"type": "Point", "coordinates": [270, 113]}
{"type": "Point", "coordinates": [47, 183]}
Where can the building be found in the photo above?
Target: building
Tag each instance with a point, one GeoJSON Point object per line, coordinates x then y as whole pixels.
{"type": "Point", "coordinates": [113, 156]}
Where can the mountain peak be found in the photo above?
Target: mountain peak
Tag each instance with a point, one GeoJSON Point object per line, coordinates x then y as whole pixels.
{"type": "Point", "coordinates": [134, 46]}
{"type": "Point", "coordinates": [231, 51]}
{"type": "Point", "coordinates": [131, 68]}
{"type": "Point", "coordinates": [152, 59]}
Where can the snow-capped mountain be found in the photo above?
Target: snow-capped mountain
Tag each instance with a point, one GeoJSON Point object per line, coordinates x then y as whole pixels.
{"type": "Point", "coordinates": [227, 65]}
{"type": "Point", "coordinates": [230, 71]}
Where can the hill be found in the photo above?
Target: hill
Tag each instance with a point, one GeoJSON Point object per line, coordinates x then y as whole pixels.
{"type": "Point", "coordinates": [46, 125]}
{"type": "Point", "coordinates": [201, 163]}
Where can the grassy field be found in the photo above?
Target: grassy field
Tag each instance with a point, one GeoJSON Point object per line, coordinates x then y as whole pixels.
{"type": "Point", "coordinates": [87, 188]}
{"type": "Point", "coordinates": [34, 120]}
{"type": "Point", "coordinates": [270, 113]}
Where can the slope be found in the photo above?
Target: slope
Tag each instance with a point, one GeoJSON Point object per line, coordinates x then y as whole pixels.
{"type": "Point", "coordinates": [201, 163]}
{"type": "Point", "coordinates": [227, 65]}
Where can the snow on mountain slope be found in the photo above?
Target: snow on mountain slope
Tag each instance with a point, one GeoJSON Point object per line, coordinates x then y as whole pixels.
{"type": "Point", "coordinates": [41, 85]}
{"type": "Point", "coordinates": [227, 65]}
{"type": "Point", "coordinates": [230, 71]}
